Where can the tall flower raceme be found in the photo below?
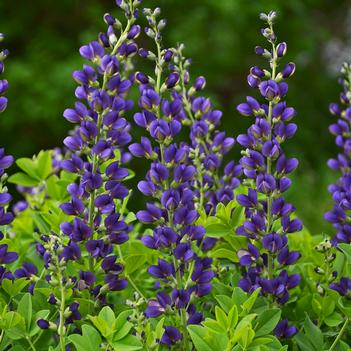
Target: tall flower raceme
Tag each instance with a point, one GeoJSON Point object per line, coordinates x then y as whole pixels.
{"type": "Point", "coordinates": [98, 198]}
{"type": "Point", "coordinates": [6, 217]}
{"type": "Point", "coordinates": [341, 190]}
{"type": "Point", "coordinates": [208, 143]}
{"type": "Point", "coordinates": [182, 274]}
{"type": "Point", "coordinates": [341, 193]}
{"type": "Point", "coordinates": [269, 218]}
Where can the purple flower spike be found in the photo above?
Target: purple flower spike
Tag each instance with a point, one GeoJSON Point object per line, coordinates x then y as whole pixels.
{"type": "Point", "coordinates": [340, 191]}
{"type": "Point", "coordinates": [180, 180]}
{"type": "Point", "coordinates": [95, 152]}
{"type": "Point", "coordinates": [268, 217]}
{"type": "Point", "coordinates": [6, 217]}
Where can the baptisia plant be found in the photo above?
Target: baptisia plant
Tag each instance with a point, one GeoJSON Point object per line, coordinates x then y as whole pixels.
{"type": "Point", "coordinates": [341, 194]}
{"type": "Point", "coordinates": [6, 217]}
{"type": "Point", "coordinates": [269, 218]}
{"type": "Point", "coordinates": [182, 274]}
{"type": "Point", "coordinates": [82, 259]}
{"type": "Point", "coordinates": [340, 215]}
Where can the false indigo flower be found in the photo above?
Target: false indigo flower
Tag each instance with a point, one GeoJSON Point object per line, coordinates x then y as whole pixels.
{"type": "Point", "coordinates": [340, 191]}
{"type": "Point", "coordinates": [284, 331]}
{"type": "Point", "coordinates": [268, 215]}
{"type": "Point", "coordinates": [180, 273]}
{"type": "Point", "coordinates": [343, 287]}
{"type": "Point", "coordinates": [96, 154]}
{"type": "Point", "coordinates": [6, 217]}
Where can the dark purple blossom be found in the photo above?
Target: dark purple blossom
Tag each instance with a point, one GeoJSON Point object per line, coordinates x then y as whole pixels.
{"type": "Point", "coordinates": [343, 287]}
{"type": "Point", "coordinates": [6, 217]}
{"type": "Point", "coordinates": [268, 217]}
{"type": "Point", "coordinates": [181, 276]}
{"type": "Point", "coordinates": [340, 191]}
{"type": "Point", "coordinates": [95, 153]}
{"type": "Point", "coordinates": [284, 331]}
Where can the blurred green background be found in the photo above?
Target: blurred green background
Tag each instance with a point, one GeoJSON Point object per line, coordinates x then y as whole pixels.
{"type": "Point", "coordinates": [44, 36]}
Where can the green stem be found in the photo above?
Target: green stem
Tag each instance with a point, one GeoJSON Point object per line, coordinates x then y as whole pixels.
{"type": "Point", "coordinates": [128, 277]}
{"type": "Point", "coordinates": [159, 71]}
{"type": "Point", "coordinates": [61, 326]}
{"type": "Point", "coordinates": [342, 330]}
{"type": "Point", "coordinates": [31, 344]}
{"type": "Point", "coordinates": [2, 335]}
{"type": "Point", "coordinates": [187, 106]}
{"type": "Point", "coordinates": [270, 264]}
{"type": "Point", "coordinates": [182, 311]}
{"type": "Point", "coordinates": [95, 161]}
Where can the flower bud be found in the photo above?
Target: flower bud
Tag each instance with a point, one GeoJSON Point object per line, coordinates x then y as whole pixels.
{"type": "Point", "coordinates": [162, 24]}
{"type": "Point", "coordinates": [109, 19]}
{"type": "Point", "coordinates": [288, 70]}
{"type": "Point", "coordinates": [200, 83]}
{"type": "Point", "coordinates": [281, 49]}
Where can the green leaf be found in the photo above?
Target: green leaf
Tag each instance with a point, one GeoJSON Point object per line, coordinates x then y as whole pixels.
{"type": "Point", "coordinates": [304, 343]}
{"type": "Point", "coordinates": [242, 328]}
{"type": "Point", "coordinates": [267, 321]}
{"type": "Point", "coordinates": [25, 309]}
{"type": "Point", "coordinates": [123, 331]}
{"type": "Point", "coordinates": [218, 230]}
{"type": "Point", "coordinates": [225, 302]}
{"type": "Point", "coordinates": [261, 341]}
{"type": "Point", "coordinates": [129, 343]}
{"type": "Point", "coordinates": [225, 253]}
{"type": "Point", "coordinates": [314, 334]}
{"type": "Point", "coordinates": [13, 287]}
{"type": "Point", "coordinates": [198, 337]}
{"type": "Point", "coordinates": [233, 317]}
{"type": "Point", "coordinates": [23, 179]}
{"type": "Point", "coordinates": [221, 318]}
{"type": "Point", "coordinates": [101, 325]}
{"type": "Point", "coordinates": [10, 320]}
{"type": "Point", "coordinates": [17, 331]}
{"type": "Point", "coordinates": [29, 167]}
{"type": "Point", "coordinates": [246, 337]}
{"type": "Point", "coordinates": [248, 304]}
{"type": "Point", "coordinates": [214, 326]}
{"type": "Point", "coordinates": [346, 249]}
{"type": "Point", "coordinates": [44, 164]}
{"type": "Point", "coordinates": [89, 341]}
{"type": "Point", "coordinates": [121, 319]}
{"type": "Point", "coordinates": [237, 217]}
{"type": "Point", "coordinates": [333, 319]}
{"type": "Point", "coordinates": [239, 296]}
{"type": "Point", "coordinates": [345, 306]}
{"type": "Point", "coordinates": [107, 315]}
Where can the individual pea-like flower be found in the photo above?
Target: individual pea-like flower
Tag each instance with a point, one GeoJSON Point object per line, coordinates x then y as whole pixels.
{"type": "Point", "coordinates": [340, 191]}
{"type": "Point", "coordinates": [96, 154]}
{"type": "Point", "coordinates": [171, 336]}
{"type": "Point", "coordinates": [343, 287]}
{"type": "Point", "coordinates": [284, 331]}
{"type": "Point", "coordinates": [29, 271]}
{"type": "Point", "coordinates": [6, 217]}
{"type": "Point", "coordinates": [268, 217]}
{"type": "Point", "coordinates": [182, 276]}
